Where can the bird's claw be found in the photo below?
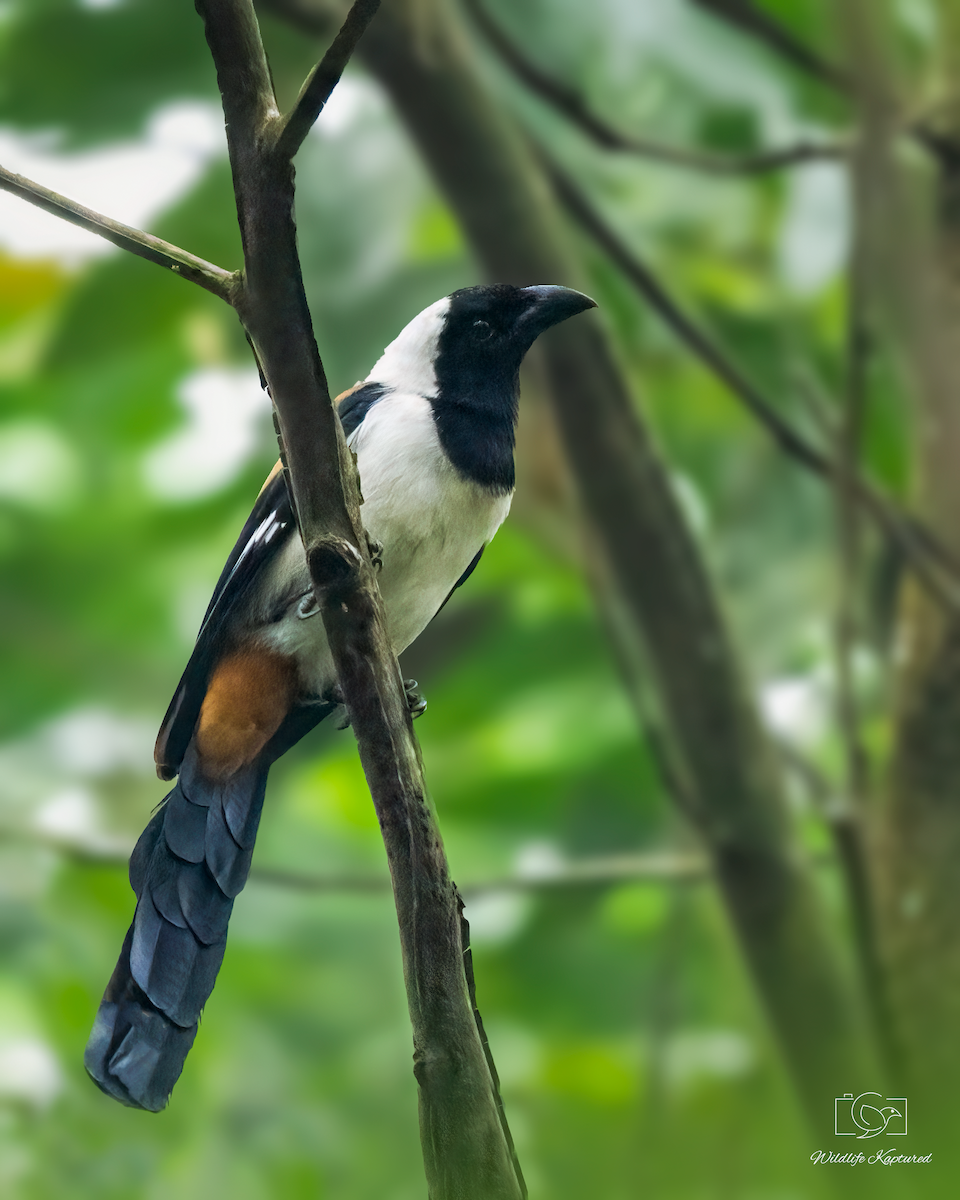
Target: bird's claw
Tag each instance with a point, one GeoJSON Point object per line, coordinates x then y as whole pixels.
{"type": "Point", "coordinates": [376, 554]}
{"type": "Point", "coordinates": [416, 702]}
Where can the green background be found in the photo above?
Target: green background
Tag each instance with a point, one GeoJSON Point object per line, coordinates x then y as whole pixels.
{"type": "Point", "coordinates": [633, 1058]}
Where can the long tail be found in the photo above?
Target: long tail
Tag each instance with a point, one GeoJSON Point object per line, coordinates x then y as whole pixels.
{"type": "Point", "coordinates": [189, 864]}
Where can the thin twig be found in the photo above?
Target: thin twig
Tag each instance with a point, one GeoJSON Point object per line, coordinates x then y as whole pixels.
{"type": "Point", "coordinates": [214, 279]}
{"type": "Point", "coordinates": [758, 163]}
{"type": "Point", "coordinates": [746, 16]}
{"type": "Point", "coordinates": [930, 562]}
{"type": "Point", "coordinates": [323, 79]}
{"type": "Point", "coordinates": [846, 824]}
{"type": "Point", "coordinates": [666, 866]}
{"type": "Point", "coordinates": [572, 104]}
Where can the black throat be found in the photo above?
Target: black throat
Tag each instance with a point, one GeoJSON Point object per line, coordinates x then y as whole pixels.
{"type": "Point", "coordinates": [476, 431]}
{"type": "Point", "coordinates": [478, 383]}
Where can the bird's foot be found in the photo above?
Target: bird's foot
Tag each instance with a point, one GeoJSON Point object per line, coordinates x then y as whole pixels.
{"type": "Point", "coordinates": [415, 700]}
{"type": "Point", "coordinates": [376, 553]}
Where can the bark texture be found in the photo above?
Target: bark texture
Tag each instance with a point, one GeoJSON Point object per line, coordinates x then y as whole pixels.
{"type": "Point", "coordinates": [468, 1153]}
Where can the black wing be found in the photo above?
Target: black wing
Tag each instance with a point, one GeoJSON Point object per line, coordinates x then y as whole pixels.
{"type": "Point", "coordinates": [268, 527]}
{"type": "Point", "coordinates": [353, 406]}
{"type": "Point", "coordinates": [464, 577]}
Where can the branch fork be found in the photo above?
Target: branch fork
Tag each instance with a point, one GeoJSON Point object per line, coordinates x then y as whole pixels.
{"type": "Point", "coordinates": [468, 1151]}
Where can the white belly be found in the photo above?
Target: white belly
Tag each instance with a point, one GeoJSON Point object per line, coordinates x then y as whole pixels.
{"type": "Point", "coordinates": [430, 521]}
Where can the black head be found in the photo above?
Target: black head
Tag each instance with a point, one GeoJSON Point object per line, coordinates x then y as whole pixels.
{"type": "Point", "coordinates": [485, 334]}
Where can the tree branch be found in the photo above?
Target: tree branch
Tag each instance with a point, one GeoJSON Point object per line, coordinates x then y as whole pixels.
{"type": "Point", "coordinates": [849, 437]}
{"type": "Point", "coordinates": [323, 79]}
{"type": "Point", "coordinates": [214, 279]}
{"type": "Point", "coordinates": [573, 105]}
{"type": "Point", "coordinates": [930, 562]}
{"type": "Point", "coordinates": [655, 866]}
{"type": "Point", "coordinates": [660, 866]}
{"type": "Point", "coordinates": [750, 19]}
{"type": "Point", "coordinates": [467, 1153]}
{"type": "Point", "coordinates": [849, 828]}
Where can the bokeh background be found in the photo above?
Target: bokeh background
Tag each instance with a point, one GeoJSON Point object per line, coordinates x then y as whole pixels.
{"type": "Point", "coordinates": [633, 1056]}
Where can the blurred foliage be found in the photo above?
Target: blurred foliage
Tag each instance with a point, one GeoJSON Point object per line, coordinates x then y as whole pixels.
{"type": "Point", "coordinates": [633, 1059]}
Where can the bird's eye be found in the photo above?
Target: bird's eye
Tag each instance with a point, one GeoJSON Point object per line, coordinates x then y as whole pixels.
{"type": "Point", "coordinates": [481, 330]}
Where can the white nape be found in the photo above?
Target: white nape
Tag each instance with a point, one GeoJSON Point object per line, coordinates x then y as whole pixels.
{"type": "Point", "coordinates": [407, 364]}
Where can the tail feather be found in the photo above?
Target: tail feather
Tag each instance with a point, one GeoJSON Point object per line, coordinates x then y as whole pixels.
{"type": "Point", "coordinates": [189, 864]}
{"type": "Point", "coordinates": [228, 862]}
{"type": "Point", "coordinates": [185, 825]}
{"type": "Point", "coordinates": [175, 970]}
{"type": "Point", "coordinates": [135, 1052]}
{"type": "Point", "coordinates": [206, 911]}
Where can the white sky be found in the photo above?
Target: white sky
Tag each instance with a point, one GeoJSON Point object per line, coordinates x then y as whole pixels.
{"type": "Point", "coordinates": [225, 410]}
{"type": "Point", "coordinates": [228, 417]}
{"type": "Point", "coordinates": [131, 181]}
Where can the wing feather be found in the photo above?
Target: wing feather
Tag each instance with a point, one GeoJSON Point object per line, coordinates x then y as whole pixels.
{"type": "Point", "coordinates": [270, 524]}
{"type": "Point", "coordinates": [464, 577]}
{"type": "Point", "coordinates": [267, 529]}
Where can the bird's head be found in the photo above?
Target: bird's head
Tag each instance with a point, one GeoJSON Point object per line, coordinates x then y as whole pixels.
{"type": "Point", "coordinates": [467, 348]}
{"type": "Point", "coordinates": [463, 355]}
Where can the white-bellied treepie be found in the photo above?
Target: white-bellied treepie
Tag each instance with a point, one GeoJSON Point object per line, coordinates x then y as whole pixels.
{"type": "Point", "coordinates": [433, 430]}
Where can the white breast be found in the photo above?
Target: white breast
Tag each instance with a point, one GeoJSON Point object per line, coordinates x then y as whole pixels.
{"type": "Point", "coordinates": [430, 521]}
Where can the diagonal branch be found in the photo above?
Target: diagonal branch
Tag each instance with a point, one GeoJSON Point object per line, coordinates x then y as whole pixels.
{"type": "Point", "coordinates": [572, 104]}
{"type": "Point", "coordinates": [758, 163]}
{"type": "Point", "coordinates": [751, 19]}
{"type": "Point", "coordinates": [928, 559]}
{"type": "Point", "coordinates": [215, 279]}
{"type": "Point", "coordinates": [467, 1150]}
{"type": "Point", "coordinates": [323, 79]}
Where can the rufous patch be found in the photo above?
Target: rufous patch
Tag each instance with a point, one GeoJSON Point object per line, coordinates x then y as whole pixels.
{"type": "Point", "coordinates": [249, 694]}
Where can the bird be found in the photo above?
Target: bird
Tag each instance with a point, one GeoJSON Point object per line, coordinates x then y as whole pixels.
{"type": "Point", "coordinates": [433, 430]}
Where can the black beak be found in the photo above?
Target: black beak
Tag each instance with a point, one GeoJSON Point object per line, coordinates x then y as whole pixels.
{"type": "Point", "coordinates": [551, 305]}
